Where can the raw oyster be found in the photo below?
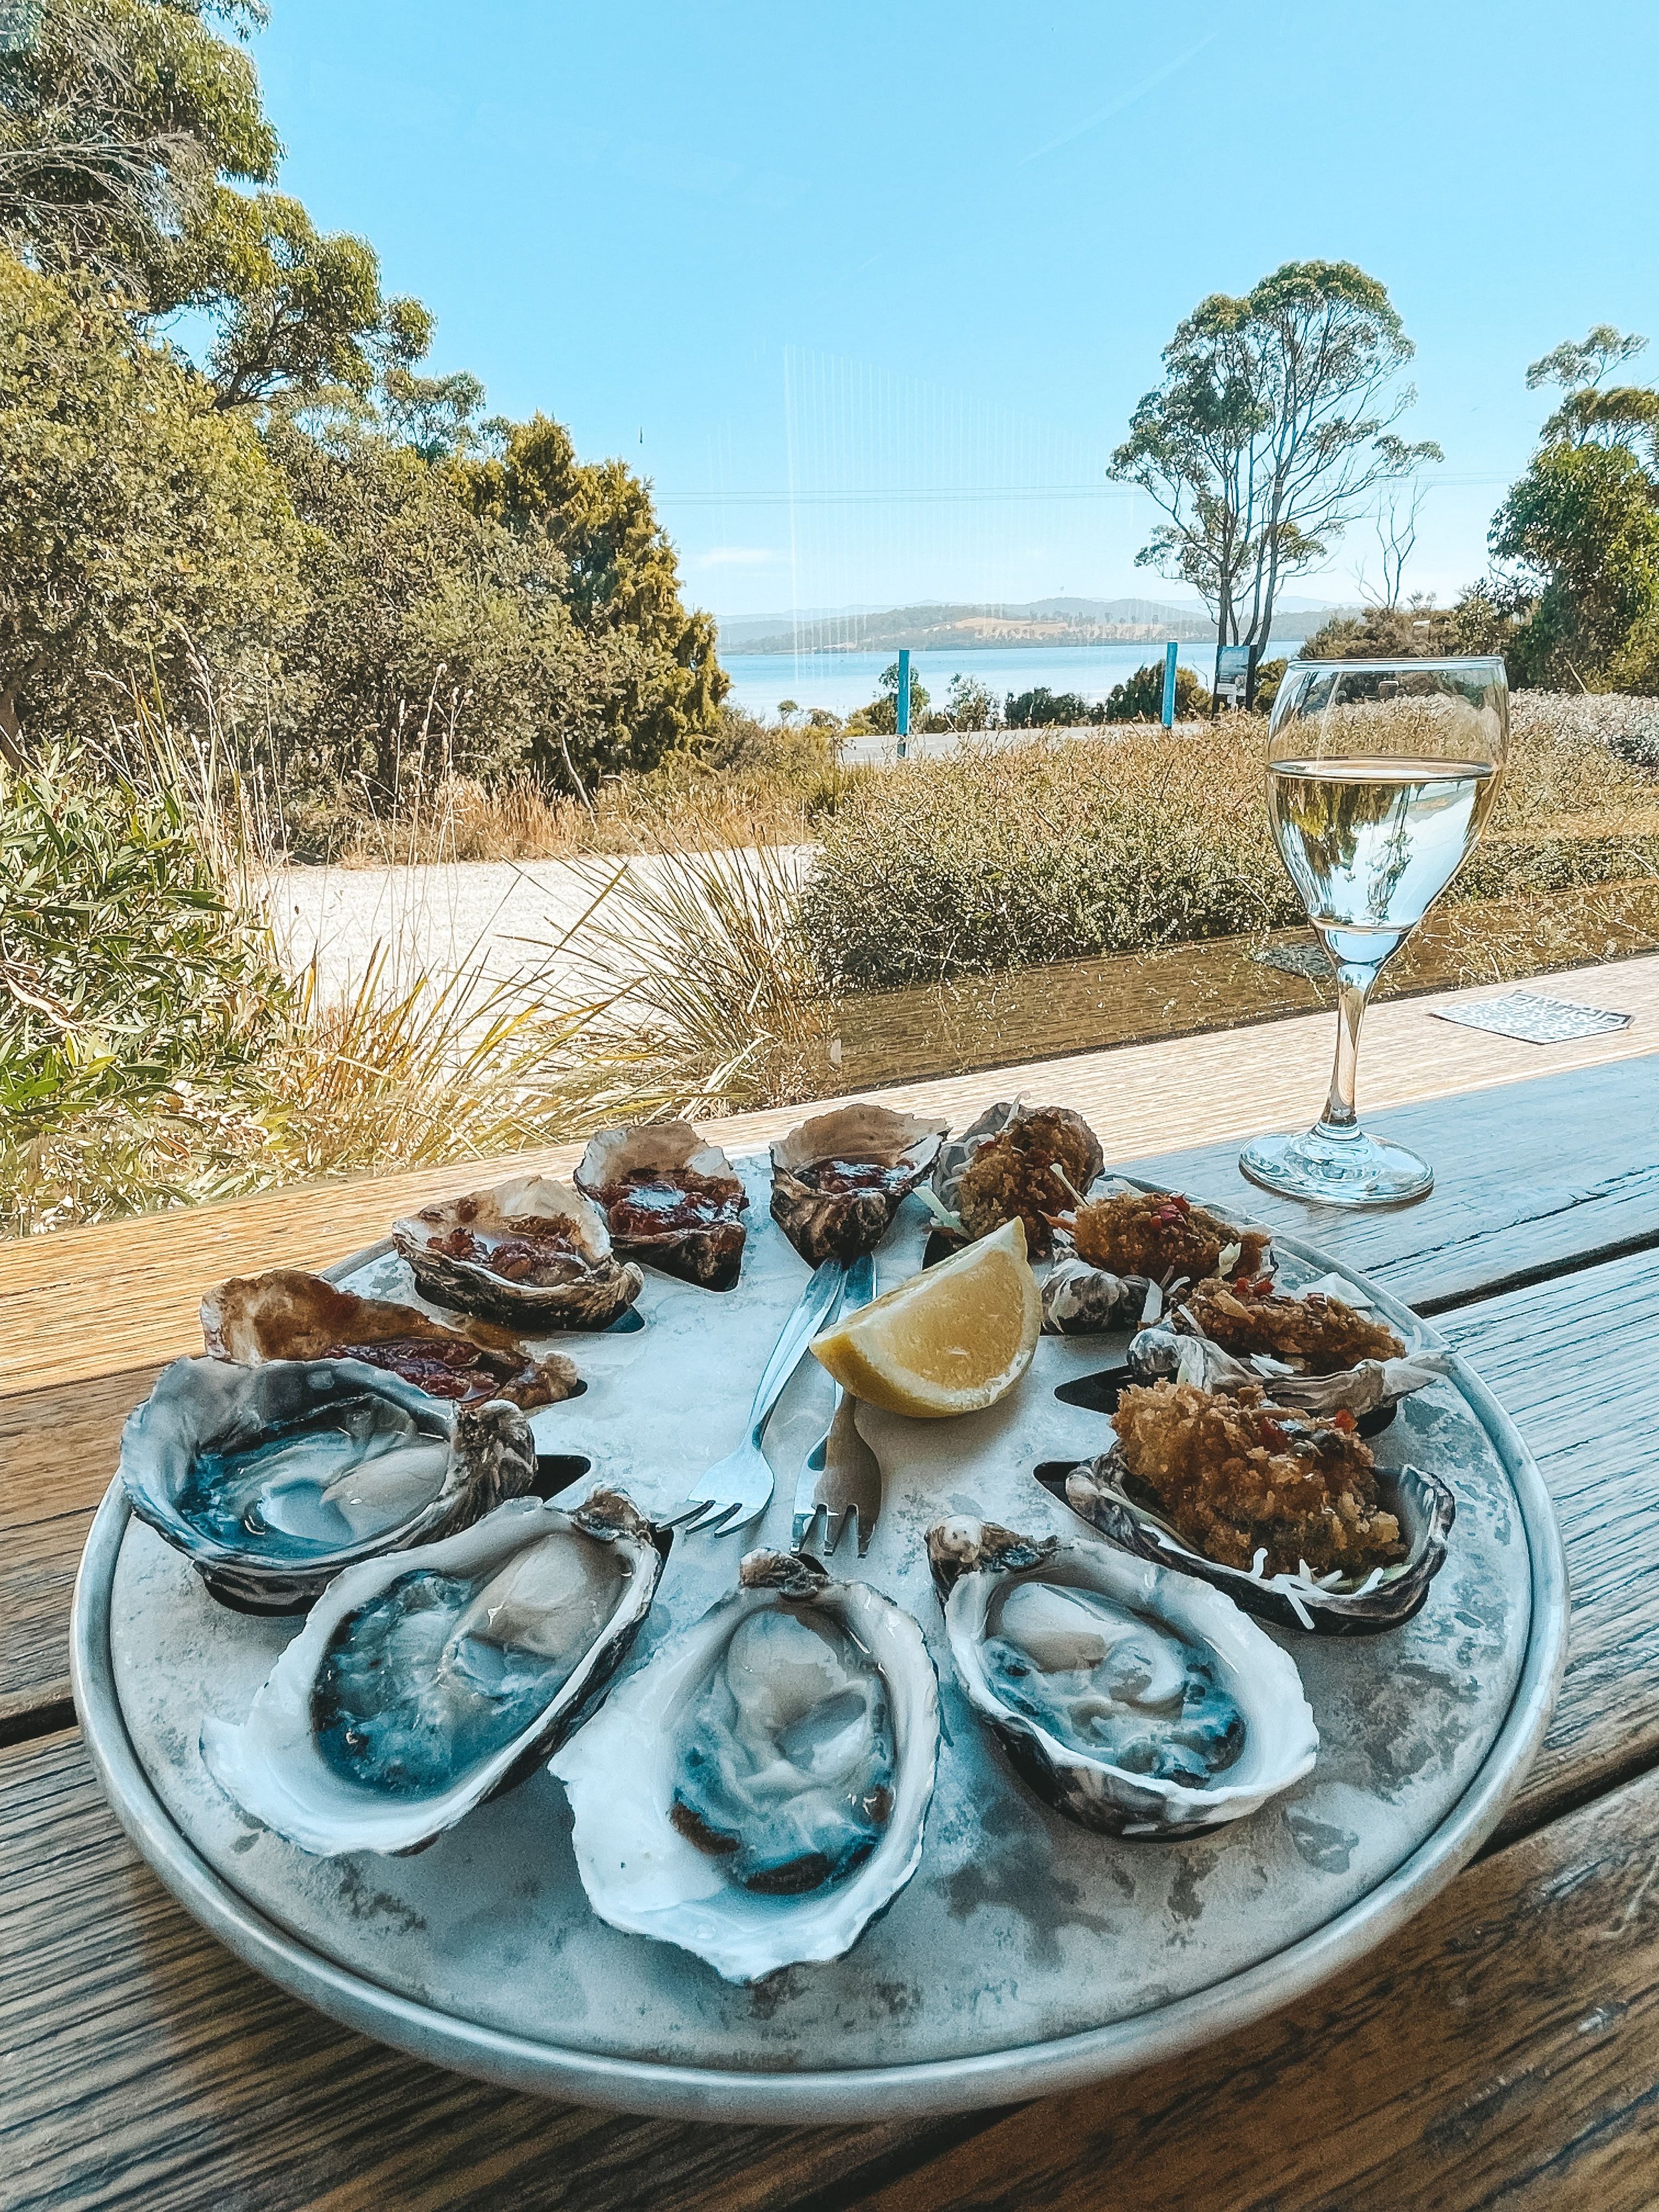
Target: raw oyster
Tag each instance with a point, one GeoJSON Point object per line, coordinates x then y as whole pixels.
{"type": "Point", "coordinates": [1131, 1699]}
{"type": "Point", "coordinates": [1177, 1350]}
{"type": "Point", "coordinates": [756, 1793]}
{"type": "Point", "coordinates": [1079, 1300]}
{"type": "Point", "coordinates": [271, 1478]}
{"type": "Point", "coordinates": [531, 1253]}
{"type": "Point", "coordinates": [1107, 1495]}
{"type": "Point", "coordinates": [839, 1179]}
{"type": "Point", "coordinates": [425, 1683]}
{"type": "Point", "coordinates": [1032, 1161]}
{"type": "Point", "coordinates": [287, 1314]}
{"type": "Point", "coordinates": [670, 1200]}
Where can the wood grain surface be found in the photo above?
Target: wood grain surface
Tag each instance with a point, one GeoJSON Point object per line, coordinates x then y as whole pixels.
{"type": "Point", "coordinates": [1503, 2049]}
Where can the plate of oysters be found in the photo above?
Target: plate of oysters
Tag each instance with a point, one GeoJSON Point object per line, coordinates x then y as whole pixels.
{"type": "Point", "coordinates": [462, 1643]}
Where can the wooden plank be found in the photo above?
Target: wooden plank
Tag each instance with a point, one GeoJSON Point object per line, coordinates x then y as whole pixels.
{"type": "Point", "coordinates": [1530, 1179]}
{"type": "Point", "coordinates": [1502, 2048]}
{"type": "Point", "coordinates": [146, 2067]}
{"type": "Point", "coordinates": [1576, 1362]}
{"type": "Point", "coordinates": [99, 1301]}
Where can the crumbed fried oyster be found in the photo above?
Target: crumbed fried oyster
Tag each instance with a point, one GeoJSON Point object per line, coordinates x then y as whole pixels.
{"type": "Point", "coordinates": [1235, 1475]}
{"type": "Point", "coordinates": [1317, 1335]}
{"type": "Point", "coordinates": [1159, 1234]}
{"type": "Point", "coordinates": [1013, 1173]}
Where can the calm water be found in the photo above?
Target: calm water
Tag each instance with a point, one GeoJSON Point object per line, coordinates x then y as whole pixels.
{"type": "Point", "coordinates": [842, 681]}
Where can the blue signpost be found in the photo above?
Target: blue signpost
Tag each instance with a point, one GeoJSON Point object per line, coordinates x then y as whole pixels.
{"type": "Point", "coordinates": [904, 701]}
{"type": "Point", "coordinates": [1168, 684]}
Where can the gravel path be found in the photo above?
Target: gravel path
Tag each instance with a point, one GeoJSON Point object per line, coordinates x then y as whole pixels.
{"type": "Point", "coordinates": [433, 920]}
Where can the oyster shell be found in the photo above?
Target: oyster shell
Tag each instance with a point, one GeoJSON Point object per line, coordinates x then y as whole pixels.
{"type": "Point", "coordinates": [270, 1479]}
{"type": "Point", "coordinates": [287, 1314]}
{"type": "Point", "coordinates": [423, 1684]}
{"type": "Point", "coordinates": [756, 1793]}
{"type": "Point", "coordinates": [839, 1179]}
{"type": "Point", "coordinates": [670, 1201]}
{"type": "Point", "coordinates": [1004, 1164]}
{"type": "Point", "coordinates": [530, 1253]}
{"type": "Point", "coordinates": [1131, 1699]}
{"type": "Point", "coordinates": [1177, 1351]}
{"type": "Point", "coordinates": [1104, 1492]}
{"type": "Point", "coordinates": [1079, 1300]}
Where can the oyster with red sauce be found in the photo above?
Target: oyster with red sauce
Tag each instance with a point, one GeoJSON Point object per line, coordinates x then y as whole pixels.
{"type": "Point", "coordinates": [531, 1253]}
{"type": "Point", "coordinates": [839, 1179]}
{"type": "Point", "coordinates": [287, 1314]}
{"type": "Point", "coordinates": [670, 1200]}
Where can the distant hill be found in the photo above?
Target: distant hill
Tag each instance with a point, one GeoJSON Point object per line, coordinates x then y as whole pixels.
{"type": "Point", "coordinates": [936, 626]}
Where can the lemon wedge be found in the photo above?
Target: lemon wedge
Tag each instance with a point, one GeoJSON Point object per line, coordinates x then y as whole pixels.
{"type": "Point", "coordinates": [953, 1339]}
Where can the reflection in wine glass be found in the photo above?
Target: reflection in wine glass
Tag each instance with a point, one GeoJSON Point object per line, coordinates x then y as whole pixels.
{"type": "Point", "coordinates": [1379, 776]}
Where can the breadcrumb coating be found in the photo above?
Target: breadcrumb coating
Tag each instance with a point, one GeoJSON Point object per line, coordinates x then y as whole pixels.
{"type": "Point", "coordinates": [1317, 1335]}
{"type": "Point", "coordinates": [1013, 1173]}
{"type": "Point", "coordinates": [1236, 1475]}
{"type": "Point", "coordinates": [1160, 1234]}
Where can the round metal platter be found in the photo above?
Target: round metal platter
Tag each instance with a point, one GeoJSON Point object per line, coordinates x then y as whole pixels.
{"type": "Point", "coordinates": [1027, 1954]}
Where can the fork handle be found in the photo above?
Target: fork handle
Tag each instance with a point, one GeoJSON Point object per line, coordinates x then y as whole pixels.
{"type": "Point", "coordinates": [813, 1308]}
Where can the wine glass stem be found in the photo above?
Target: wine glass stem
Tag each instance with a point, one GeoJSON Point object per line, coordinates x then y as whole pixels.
{"type": "Point", "coordinates": [1354, 980]}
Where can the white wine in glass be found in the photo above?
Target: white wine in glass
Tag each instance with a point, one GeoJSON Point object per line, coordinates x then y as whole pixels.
{"type": "Point", "coordinates": [1380, 777]}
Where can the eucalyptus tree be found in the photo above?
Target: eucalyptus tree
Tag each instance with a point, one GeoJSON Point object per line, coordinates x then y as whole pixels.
{"type": "Point", "coordinates": [1272, 430]}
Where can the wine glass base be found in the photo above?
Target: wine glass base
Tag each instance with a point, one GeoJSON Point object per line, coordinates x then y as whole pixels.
{"type": "Point", "coordinates": [1330, 1168]}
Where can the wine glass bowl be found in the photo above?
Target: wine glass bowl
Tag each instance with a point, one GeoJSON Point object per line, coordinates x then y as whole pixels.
{"type": "Point", "coordinates": [1381, 774]}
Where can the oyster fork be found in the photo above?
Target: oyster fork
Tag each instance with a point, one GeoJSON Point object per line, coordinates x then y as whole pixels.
{"type": "Point", "coordinates": [841, 1476]}
{"type": "Point", "coordinates": [738, 1487]}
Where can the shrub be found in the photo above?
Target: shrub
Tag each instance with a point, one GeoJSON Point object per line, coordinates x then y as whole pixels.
{"type": "Point", "coordinates": [1058, 850]}
{"type": "Point", "coordinates": [1139, 697]}
{"type": "Point", "coordinates": [1043, 710]}
{"type": "Point", "coordinates": [126, 965]}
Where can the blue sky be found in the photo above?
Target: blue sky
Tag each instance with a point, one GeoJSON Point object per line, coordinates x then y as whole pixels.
{"type": "Point", "coordinates": [869, 291]}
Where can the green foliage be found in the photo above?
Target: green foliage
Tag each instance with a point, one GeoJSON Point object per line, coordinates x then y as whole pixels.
{"type": "Point", "coordinates": [125, 967]}
{"type": "Point", "coordinates": [296, 314]}
{"type": "Point", "coordinates": [142, 531]}
{"type": "Point", "coordinates": [880, 717]}
{"type": "Point", "coordinates": [968, 705]}
{"type": "Point", "coordinates": [1416, 631]}
{"type": "Point", "coordinates": [1139, 697]}
{"type": "Point", "coordinates": [116, 116]}
{"type": "Point", "coordinates": [1041, 709]}
{"type": "Point", "coordinates": [1584, 527]}
{"type": "Point", "coordinates": [1269, 675]}
{"type": "Point", "coordinates": [1272, 425]}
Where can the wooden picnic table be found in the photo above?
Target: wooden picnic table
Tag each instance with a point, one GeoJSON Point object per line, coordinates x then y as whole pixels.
{"type": "Point", "coordinates": [1505, 2049]}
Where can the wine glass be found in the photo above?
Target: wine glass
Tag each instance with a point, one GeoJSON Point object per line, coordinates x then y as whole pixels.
{"type": "Point", "coordinates": [1379, 776]}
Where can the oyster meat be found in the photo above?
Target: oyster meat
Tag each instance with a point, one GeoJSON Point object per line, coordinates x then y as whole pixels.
{"type": "Point", "coordinates": [840, 1178]}
{"type": "Point", "coordinates": [425, 1683]}
{"type": "Point", "coordinates": [1034, 1162]}
{"type": "Point", "coordinates": [1178, 1349]}
{"type": "Point", "coordinates": [287, 1314]}
{"type": "Point", "coordinates": [670, 1201]}
{"type": "Point", "coordinates": [1285, 1510]}
{"type": "Point", "coordinates": [530, 1255]}
{"type": "Point", "coordinates": [271, 1479]}
{"type": "Point", "coordinates": [1129, 1700]}
{"type": "Point", "coordinates": [1079, 1300]}
{"type": "Point", "coordinates": [756, 1792]}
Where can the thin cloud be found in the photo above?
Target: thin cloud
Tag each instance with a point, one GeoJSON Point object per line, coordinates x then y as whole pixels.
{"type": "Point", "coordinates": [1124, 99]}
{"type": "Point", "coordinates": [739, 556]}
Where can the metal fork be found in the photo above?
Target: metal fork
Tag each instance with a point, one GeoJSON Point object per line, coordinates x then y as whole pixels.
{"type": "Point", "coordinates": [738, 1488]}
{"type": "Point", "coordinates": [841, 1476]}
